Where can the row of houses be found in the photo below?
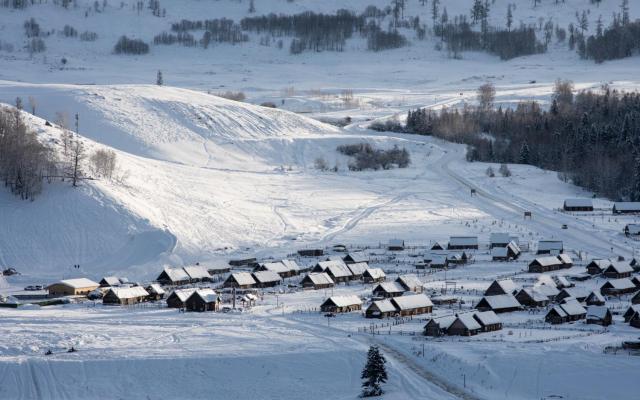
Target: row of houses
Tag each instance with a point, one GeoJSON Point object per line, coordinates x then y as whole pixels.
{"type": "Point", "coordinates": [413, 304]}
{"type": "Point", "coordinates": [612, 269]}
{"type": "Point", "coordinates": [184, 275]}
{"type": "Point", "coordinates": [465, 324]}
{"type": "Point", "coordinates": [402, 284]}
{"type": "Point", "coordinates": [550, 263]}
{"type": "Point", "coordinates": [619, 207]}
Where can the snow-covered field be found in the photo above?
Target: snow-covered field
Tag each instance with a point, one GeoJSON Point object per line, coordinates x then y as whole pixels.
{"type": "Point", "coordinates": [204, 179]}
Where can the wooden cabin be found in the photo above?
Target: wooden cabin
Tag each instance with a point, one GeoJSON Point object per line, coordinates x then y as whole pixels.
{"type": "Point", "coordinates": [636, 298]}
{"type": "Point", "coordinates": [438, 326]}
{"type": "Point", "coordinates": [336, 269]}
{"type": "Point", "coordinates": [317, 280]}
{"type": "Point", "coordinates": [388, 290]}
{"type": "Point", "coordinates": [579, 294]}
{"type": "Point", "coordinates": [502, 286]}
{"type": "Point", "coordinates": [532, 298]}
{"type": "Point", "coordinates": [395, 245]}
{"type": "Point", "coordinates": [72, 287]}
{"type": "Point", "coordinates": [618, 270]}
{"type": "Point", "coordinates": [242, 262]}
{"type": "Point", "coordinates": [311, 252]}
{"type": "Point", "coordinates": [578, 205]}
{"type": "Point", "coordinates": [239, 280]}
{"type": "Point", "coordinates": [373, 275]}
{"type": "Point", "coordinates": [595, 299]}
{"type": "Point", "coordinates": [357, 257]}
{"type": "Point", "coordinates": [156, 292]}
{"type": "Point", "coordinates": [464, 325]}
{"type": "Point", "coordinates": [203, 300]}
{"type": "Point", "coordinates": [553, 247]}
{"type": "Point", "coordinates": [556, 316]}
{"type": "Point", "coordinates": [437, 246]}
{"type": "Point", "coordinates": [626, 207]}
{"type": "Point", "coordinates": [574, 310]}
{"type": "Point", "coordinates": [265, 279]}
{"type": "Point", "coordinates": [630, 311]}
{"type": "Point", "coordinates": [341, 304]}
{"type": "Point", "coordinates": [357, 270]}
{"type": "Point", "coordinates": [617, 287]}
{"type": "Point", "coordinates": [125, 295]}
{"type": "Point", "coordinates": [415, 304]}
{"type": "Point", "coordinates": [110, 281]}
{"type": "Point", "coordinates": [545, 264]}
{"type": "Point", "coordinates": [173, 277]}
{"type": "Point", "coordinates": [596, 267]}
{"type": "Point", "coordinates": [197, 273]}
{"type": "Point", "coordinates": [488, 320]}
{"type": "Point", "coordinates": [599, 315]}
{"type": "Point", "coordinates": [381, 309]}
{"type": "Point", "coordinates": [410, 283]}
{"type": "Point", "coordinates": [463, 243]}
{"type": "Point", "coordinates": [498, 303]}
{"type": "Point", "coordinates": [178, 298]}
{"type": "Point", "coordinates": [499, 239]}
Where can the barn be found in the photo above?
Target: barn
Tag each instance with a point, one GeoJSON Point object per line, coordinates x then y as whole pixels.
{"type": "Point", "coordinates": [626, 207]}
{"type": "Point", "coordinates": [595, 299]}
{"type": "Point", "coordinates": [599, 315]}
{"type": "Point", "coordinates": [532, 298]}
{"type": "Point", "coordinates": [578, 205]}
{"type": "Point", "coordinates": [156, 292]}
{"type": "Point", "coordinates": [488, 320]}
{"type": "Point", "coordinates": [462, 242]}
{"type": "Point", "coordinates": [173, 277]}
{"type": "Point", "coordinates": [502, 286]}
{"type": "Point", "coordinates": [464, 325]}
{"type": "Point", "coordinates": [72, 287]}
{"type": "Point", "coordinates": [357, 270]}
{"type": "Point", "coordinates": [381, 309]}
{"type": "Point", "coordinates": [395, 245]}
{"type": "Point", "coordinates": [618, 270]}
{"type": "Point", "coordinates": [498, 303]}
{"type": "Point", "coordinates": [372, 275]}
{"type": "Point", "coordinates": [203, 300]}
{"type": "Point", "coordinates": [125, 295]}
{"type": "Point", "coordinates": [414, 304]}
{"type": "Point", "coordinates": [178, 297]}
{"type": "Point", "coordinates": [317, 280]}
{"type": "Point", "coordinates": [239, 280]}
{"type": "Point", "coordinates": [410, 283]}
{"type": "Point", "coordinates": [553, 247]}
{"type": "Point", "coordinates": [545, 264]}
{"type": "Point", "coordinates": [388, 290]}
{"type": "Point", "coordinates": [617, 287]}
{"type": "Point", "coordinates": [341, 304]}
{"type": "Point", "coordinates": [266, 279]}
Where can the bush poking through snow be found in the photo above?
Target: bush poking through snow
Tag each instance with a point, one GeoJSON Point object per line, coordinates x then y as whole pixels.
{"type": "Point", "coordinates": [504, 170]}
{"type": "Point", "coordinates": [235, 96]}
{"type": "Point", "coordinates": [490, 173]}
{"type": "Point", "coordinates": [368, 157]}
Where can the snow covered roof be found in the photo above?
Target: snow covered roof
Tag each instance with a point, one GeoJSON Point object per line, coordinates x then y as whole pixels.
{"type": "Point", "coordinates": [620, 284]}
{"type": "Point", "coordinates": [572, 307]}
{"type": "Point", "coordinates": [507, 285]}
{"type": "Point", "coordinates": [469, 321]}
{"type": "Point", "coordinates": [344, 301]}
{"type": "Point", "coordinates": [559, 310]}
{"type": "Point", "coordinates": [266, 277]}
{"type": "Point", "coordinates": [547, 261]}
{"type": "Point", "coordinates": [357, 268]}
{"type": "Point", "coordinates": [183, 294]}
{"type": "Point", "coordinates": [634, 229]}
{"type": "Point", "coordinates": [111, 280]}
{"type": "Point", "coordinates": [565, 259]}
{"type": "Point", "coordinates": [547, 290]}
{"type": "Point", "coordinates": [384, 305]}
{"type": "Point", "coordinates": [320, 278]}
{"type": "Point", "coordinates": [535, 294]}
{"type": "Point", "coordinates": [375, 273]}
{"type": "Point", "coordinates": [578, 203]}
{"type": "Point", "coordinates": [595, 295]}
{"type": "Point", "coordinates": [561, 281]}
{"type": "Point", "coordinates": [176, 274]}
{"type": "Point", "coordinates": [208, 295]}
{"type": "Point", "coordinates": [411, 302]}
{"type": "Point", "coordinates": [463, 241]}
{"type": "Point", "coordinates": [602, 264]}
{"type": "Point", "coordinates": [389, 287]}
{"type": "Point", "coordinates": [155, 288]}
{"type": "Point", "coordinates": [597, 312]}
{"type": "Point", "coordinates": [438, 246]}
{"type": "Point", "coordinates": [358, 256]}
{"type": "Point", "coordinates": [437, 259]}
{"type": "Point", "coordinates": [499, 252]}
{"type": "Point", "coordinates": [277, 267]}
{"type": "Point", "coordinates": [291, 265]}
{"type": "Point", "coordinates": [445, 322]}
{"type": "Point", "coordinates": [396, 243]}
{"type": "Point", "coordinates": [197, 272]}
{"type": "Point", "coordinates": [328, 263]}
{"type": "Point", "coordinates": [410, 281]}
{"type": "Point", "coordinates": [499, 238]}
{"type": "Point", "coordinates": [338, 270]}
{"type": "Point", "coordinates": [487, 317]}
{"type": "Point", "coordinates": [129, 292]}
{"type": "Point", "coordinates": [576, 292]}
{"type": "Point", "coordinates": [243, 278]}
{"type": "Point", "coordinates": [548, 245]}
{"type": "Point", "coordinates": [501, 301]}
{"type": "Point", "coordinates": [619, 267]}
{"type": "Point", "coordinates": [79, 283]}
{"type": "Point", "coordinates": [627, 205]}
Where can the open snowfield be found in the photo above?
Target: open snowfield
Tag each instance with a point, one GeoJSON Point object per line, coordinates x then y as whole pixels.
{"type": "Point", "coordinates": [204, 179]}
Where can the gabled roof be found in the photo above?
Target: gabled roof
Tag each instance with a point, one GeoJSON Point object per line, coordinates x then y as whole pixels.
{"type": "Point", "coordinates": [501, 301]}
{"type": "Point", "coordinates": [565, 259]}
{"type": "Point", "coordinates": [575, 292]}
{"type": "Point", "coordinates": [78, 283]}
{"type": "Point", "coordinates": [328, 263]}
{"type": "Point", "coordinates": [444, 322]}
{"type": "Point", "coordinates": [438, 246]}
{"type": "Point", "coordinates": [411, 302]}
{"type": "Point", "coordinates": [357, 268]}
{"type": "Point", "coordinates": [338, 270]}
{"type": "Point", "coordinates": [319, 278]}
{"type": "Point", "coordinates": [487, 317]}
{"type": "Point", "coordinates": [384, 305]}
{"type": "Point", "coordinates": [547, 290]}
{"type": "Point", "coordinates": [463, 241]}
{"type": "Point", "coordinates": [358, 256]}
{"type": "Point", "coordinates": [207, 295]}
{"type": "Point", "coordinates": [375, 273]}
{"type": "Point", "coordinates": [111, 280]}
{"type": "Point", "coordinates": [243, 278]}
{"type": "Point", "coordinates": [578, 203]}
{"type": "Point", "coordinates": [547, 261]}
{"type": "Point", "coordinates": [627, 205]}
{"type": "Point", "coordinates": [291, 265]}
{"type": "Point", "coordinates": [129, 292]}
{"type": "Point", "coordinates": [197, 272]}
{"type": "Point", "coordinates": [595, 295]}
{"type": "Point", "coordinates": [559, 310]}
{"type": "Point", "coordinates": [183, 294]}
{"type": "Point", "coordinates": [507, 285]}
{"type": "Point", "coordinates": [561, 281]}
{"type": "Point", "coordinates": [277, 267]}
{"type": "Point", "coordinates": [620, 284]}
{"type": "Point", "coordinates": [619, 267]}
{"type": "Point", "coordinates": [410, 281]}
{"type": "Point", "coordinates": [176, 274]}
{"type": "Point", "coordinates": [597, 312]}
{"type": "Point", "coordinates": [396, 243]}
{"type": "Point", "coordinates": [266, 276]}
{"type": "Point", "coordinates": [602, 264]}
{"type": "Point", "coordinates": [343, 301]}
{"type": "Point", "coordinates": [535, 295]}
{"type": "Point", "coordinates": [572, 307]}
{"type": "Point", "coordinates": [389, 287]}
{"type": "Point", "coordinates": [155, 288]}
{"type": "Point", "coordinates": [468, 321]}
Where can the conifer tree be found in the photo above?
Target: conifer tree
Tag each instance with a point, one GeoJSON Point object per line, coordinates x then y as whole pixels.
{"type": "Point", "coordinates": [374, 373]}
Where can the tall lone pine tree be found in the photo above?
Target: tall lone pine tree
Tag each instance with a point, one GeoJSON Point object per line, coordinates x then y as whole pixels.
{"type": "Point", "coordinates": [374, 373]}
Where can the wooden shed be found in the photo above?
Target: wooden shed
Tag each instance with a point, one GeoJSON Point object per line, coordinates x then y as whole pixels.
{"type": "Point", "coordinates": [317, 280]}
{"type": "Point", "coordinates": [266, 279]}
{"type": "Point", "coordinates": [173, 276]}
{"type": "Point", "coordinates": [464, 325]}
{"type": "Point", "coordinates": [618, 270]}
{"type": "Point", "coordinates": [357, 270]}
{"type": "Point", "coordinates": [410, 283]}
{"type": "Point", "coordinates": [197, 273]}
{"type": "Point", "coordinates": [178, 298]}
{"type": "Point", "coordinates": [373, 275]}
{"type": "Point", "coordinates": [156, 292]}
{"type": "Point", "coordinates": [502, 286]}
{"type": "Point", "coordinates": [381, 309]}
{"type": "Point", "coordinates": [412, 304]}
{"type": "Point", "coordinates": [599, 315]}
{"type": "Point", "coordinates": [498, 303]}
{"type": "Point", "coordinates": [341, 304]}
{"type": "Point", "coordinates": [239, 280]}
{"type": "Point", "coordinates": [545, 264]}
{"type": "Point", "coordinates": [203, 300]}
{"type": "Point", "coordinates": [595, 299]}
{"type": "Point", "coordinates": [488, 320]}
{"type": "Point", "coordinates": [388, 290]}
{"type": "Point", "coordinates": [578, 205]}
{"type": "Point", "coordinates": [532, 298]}
{"type": "Point", "coordinates": [597, 266]}
{"type": "Point", "coordinates": [125, 295]}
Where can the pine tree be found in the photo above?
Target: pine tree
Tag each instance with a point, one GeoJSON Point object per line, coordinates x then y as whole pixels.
{"type": "Point", "coordinates": [374, 373]}
{"type": "Point", "coordinates": [524, 156]}
{"type": "Point", "coordinates": [509, 17]}
{"type": "Point", "coordinates": [159, 80]}
{"type": "Point", "coordinates": [635, 188]}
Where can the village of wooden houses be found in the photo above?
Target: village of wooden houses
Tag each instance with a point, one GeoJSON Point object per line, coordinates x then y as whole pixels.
{"type": "Point", "coordinates": [498, 287]}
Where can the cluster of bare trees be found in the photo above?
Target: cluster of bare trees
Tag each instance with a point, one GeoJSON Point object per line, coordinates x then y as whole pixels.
{"type": "Point", "coordinates": [368, 157]}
